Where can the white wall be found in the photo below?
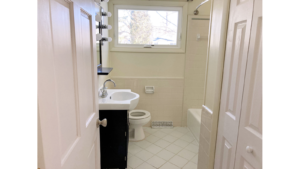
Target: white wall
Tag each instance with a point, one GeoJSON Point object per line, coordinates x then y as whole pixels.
{"type": "Point", "coordinates": [147, 64]}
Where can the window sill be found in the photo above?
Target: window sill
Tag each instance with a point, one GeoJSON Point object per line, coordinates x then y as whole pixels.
{"type": "Point", "coordinates": [147, 50]}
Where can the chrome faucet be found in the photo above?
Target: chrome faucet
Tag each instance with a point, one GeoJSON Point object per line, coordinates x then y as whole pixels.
{"type": "Point", "coordinates": [103, 90]}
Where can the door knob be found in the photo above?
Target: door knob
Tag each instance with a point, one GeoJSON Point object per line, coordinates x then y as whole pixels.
{"type": "Point", "coordinates": [102, 123]}
{"type": "Point", "coordinates": [249, 149]}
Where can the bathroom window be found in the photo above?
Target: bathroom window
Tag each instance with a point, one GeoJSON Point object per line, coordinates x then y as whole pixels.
{"type": "Point", "coordinates": [147, 26]}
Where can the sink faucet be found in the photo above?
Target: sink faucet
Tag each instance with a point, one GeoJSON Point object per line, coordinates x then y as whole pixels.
{"type": "Point", "coordinates": [103, 90]}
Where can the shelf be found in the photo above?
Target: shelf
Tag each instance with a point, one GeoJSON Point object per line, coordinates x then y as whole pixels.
{"type": "Point", "coordinates": [104, 70]}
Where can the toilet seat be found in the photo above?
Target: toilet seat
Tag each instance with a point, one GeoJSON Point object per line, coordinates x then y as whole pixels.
{"type": "Point", "coordinates": [138, 114]}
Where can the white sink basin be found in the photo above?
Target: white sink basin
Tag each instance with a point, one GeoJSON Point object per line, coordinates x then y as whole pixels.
{"type": "Point", "coordinates": [119, 99]}
{"type": "Point", "coordinates": [122, 96]}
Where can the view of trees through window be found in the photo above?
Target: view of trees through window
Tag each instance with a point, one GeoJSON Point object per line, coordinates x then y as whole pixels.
{"type": "Point", "coordinates": [147, 27]}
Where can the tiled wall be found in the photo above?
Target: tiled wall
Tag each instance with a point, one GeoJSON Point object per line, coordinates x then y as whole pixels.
{"type": "Point", "coordinates": [164, 104]}
{"type": "Point", "coordinates": [205, 138]}
{"type": "Point", "coordinates": [174, 96]}
{"type": "Point", "coordinates": [195, 65]}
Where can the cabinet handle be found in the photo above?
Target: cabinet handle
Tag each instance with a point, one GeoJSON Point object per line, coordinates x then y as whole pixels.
{"type": "Point", "coordinates": [249, 149]}
{"type": "Point", "coordinates": [102, 123]}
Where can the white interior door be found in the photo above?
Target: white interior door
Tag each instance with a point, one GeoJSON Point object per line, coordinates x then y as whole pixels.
{"type": "Point", "coordinates": [249, 148]}
{"type": "Point", "coordinates": [67, 81]}
{"type": "Point", "coordinates": [237, 44]}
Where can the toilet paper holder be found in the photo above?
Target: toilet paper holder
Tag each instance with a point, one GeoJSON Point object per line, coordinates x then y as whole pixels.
{"type": "Point", "coordinates": [149, 89]}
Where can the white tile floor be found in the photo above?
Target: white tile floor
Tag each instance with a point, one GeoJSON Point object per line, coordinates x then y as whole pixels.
{"type": "Point", "coordinates": [164, 149]}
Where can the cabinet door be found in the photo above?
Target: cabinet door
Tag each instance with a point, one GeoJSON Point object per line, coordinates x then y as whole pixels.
{"type": "Point", "coordinates": [114, 139]}
{"type": "Point", "coordinates": [249, 148]}
{"type": "Point", "coordinates": [236, 56]}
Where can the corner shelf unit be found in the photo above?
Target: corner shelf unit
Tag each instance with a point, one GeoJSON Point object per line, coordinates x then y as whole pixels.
{"type": "Point", "coordinates": [104, 70]}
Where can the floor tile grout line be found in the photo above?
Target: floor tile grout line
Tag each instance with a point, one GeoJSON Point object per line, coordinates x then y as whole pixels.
{"type": "Point", "coordinates": [170, 143]}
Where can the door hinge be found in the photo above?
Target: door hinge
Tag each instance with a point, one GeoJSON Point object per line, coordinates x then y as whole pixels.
{"type": "Point", "coordinates": [125, 134]}
{"type": "Point", "coordinates": [125, 158]}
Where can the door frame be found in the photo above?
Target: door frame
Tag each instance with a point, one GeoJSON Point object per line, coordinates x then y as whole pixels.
{"type": "Point", "coordinates": [214, 66]}
{"type": "Point", "coordinates": [214, 70]}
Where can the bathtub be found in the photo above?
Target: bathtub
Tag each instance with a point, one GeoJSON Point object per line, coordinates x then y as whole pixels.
{"type": "Point", "coordinates": [194, 121]}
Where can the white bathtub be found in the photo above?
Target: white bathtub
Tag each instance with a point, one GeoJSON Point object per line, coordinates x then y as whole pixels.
{"type": "Point", "coordinates": [194, 121]}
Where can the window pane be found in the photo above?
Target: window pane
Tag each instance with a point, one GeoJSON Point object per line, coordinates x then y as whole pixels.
{"type": "Point", "coordinates": [147, 27]}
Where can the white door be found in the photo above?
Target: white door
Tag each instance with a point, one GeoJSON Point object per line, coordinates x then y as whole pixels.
{"type": "Point", "coordinates": [249, 148]}
{"type": "Point", "coordinates": [237, 44]}
{"type": "Point", "coordinates": [67, 84]}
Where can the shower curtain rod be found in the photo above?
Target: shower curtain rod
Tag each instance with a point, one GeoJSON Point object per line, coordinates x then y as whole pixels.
{"type": "Point", "coordinates": [196, 12]}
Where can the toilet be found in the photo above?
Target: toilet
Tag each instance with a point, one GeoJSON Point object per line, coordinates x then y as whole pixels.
{"type": "Point", "coordinates": [137, 119]}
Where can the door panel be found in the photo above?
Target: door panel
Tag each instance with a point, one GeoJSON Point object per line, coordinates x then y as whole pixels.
{"type": "Point", "coordinates": [254, 109]}
{"type": "Point", "coordinates": [85, 72]}
{"type": "Point", "coordinates": [250, 131]}
{"type": "Point", "coordinates": [246, 165]}
{"type": "Point", "coordinates": [91, 158]}
{"type": "Point", "coordinates": [226, 153]}
{"type": "Point", "coordinates": [67, 83]}
{"type": "Point", "coordinates": [233, 81]}
{"type": "Point", "coordinates": [63, 62]}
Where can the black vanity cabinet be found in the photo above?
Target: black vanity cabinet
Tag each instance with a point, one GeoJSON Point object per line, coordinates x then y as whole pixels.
{"type": "Point", "coordinates": [114, 139]}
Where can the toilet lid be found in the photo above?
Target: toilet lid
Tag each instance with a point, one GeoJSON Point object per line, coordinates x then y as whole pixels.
{"type": "Point", "coordinates": [138, 114]}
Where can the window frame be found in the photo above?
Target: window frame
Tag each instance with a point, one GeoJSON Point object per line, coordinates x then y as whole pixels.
{"type": "Point", "coordinates": [149, 8]}
{"type": "Point", "coordinates": [111, 21]}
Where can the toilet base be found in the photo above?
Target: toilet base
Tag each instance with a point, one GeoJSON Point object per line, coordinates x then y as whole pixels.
{"type": "Point", "coordinates": [137, 134]}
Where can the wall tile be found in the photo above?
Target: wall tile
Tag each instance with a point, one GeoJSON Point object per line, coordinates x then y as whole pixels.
{"type": "Point", "coordinates": [172, 83]}
{"type": "Point", "coordinates": [153, 82]}
{"type": "Point", "coordinates": [198, 23]}
{"type": "Point", "coordinates": [205, 132]}
{"type": "Point", "coordinates": [195, 66]}
{"type": "Point", "coordinates": [205, 145]}
{"type": "Point", "coordinates": [202, 159]}
{"type": "Point", "coordinates": [165, 103]}
{"type": "Point", "coordinates": [173, 97]}
{"type": "Point", "coordinates": [206, 119]}
{"type": "Point", "coordinates": [192, 35]}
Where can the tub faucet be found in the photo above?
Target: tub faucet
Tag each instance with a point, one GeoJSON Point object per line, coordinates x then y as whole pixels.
{"type": "Point", "coordinates": [103, 90]}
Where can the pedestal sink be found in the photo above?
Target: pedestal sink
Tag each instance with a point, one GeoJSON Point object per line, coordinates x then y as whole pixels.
{"type": "Point", "coordinates": [119, 99]}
